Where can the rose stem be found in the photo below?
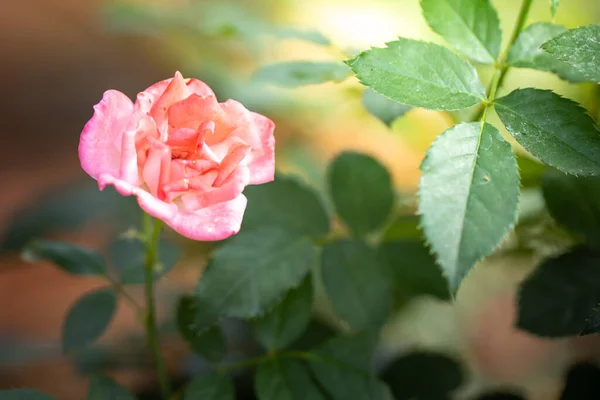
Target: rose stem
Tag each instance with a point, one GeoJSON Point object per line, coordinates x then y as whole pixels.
{"type": "Point", "coordinates": [152, 228]}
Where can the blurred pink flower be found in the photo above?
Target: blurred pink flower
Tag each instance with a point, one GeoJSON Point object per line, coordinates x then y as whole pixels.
{"type": "Point", "coordinates": [184, 155]}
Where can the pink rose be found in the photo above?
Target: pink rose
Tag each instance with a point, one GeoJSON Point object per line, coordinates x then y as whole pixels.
{"type": "Point", "coordinates": [184, 155]}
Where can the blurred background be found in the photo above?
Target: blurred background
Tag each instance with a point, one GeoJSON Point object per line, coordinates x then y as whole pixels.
{"type": "Point", "coordinates": [57, 57]}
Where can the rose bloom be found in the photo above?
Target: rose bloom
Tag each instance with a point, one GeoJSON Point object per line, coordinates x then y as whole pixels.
{"type": "Point", "coordinates": [185, 156]}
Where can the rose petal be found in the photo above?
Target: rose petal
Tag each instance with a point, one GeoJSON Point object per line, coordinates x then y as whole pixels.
{"type": "Point", "coordinates": [157, 169]}
{"type": "Point", "coordinates": [198, 87]}
{"type": "Point", "coordinates": [192, 111]}
{"type": "Point", "coordinates": [237, 151]}
{"type": "Point", "coordinates": [150, 95]}
{"type": "Point", "coordinates": [174, 92]}
{"type": "Point", "coordinates": [155, 91]}
{"type": "Point", "coordinates": [262, 162]}
{"type": "Point", "coordinates": [145, 132]}
{"type": "Point", "coordinates": [152, 205]}
{"type": "Point", "coordinates": [146, 99]}
{"type": "Point", "coordinates": [193, 184]}
{"type": "Point", "coordinates": [185, 141]}
{"type": "Point", "coordinates": [244, 122]}
{"type": "Point", "coordinates": [230, 189]}
{"type": "Point", "coordinates": [216, 222]}
{"type": "Point", "coordinates": [256, 130]}
{"type": "Point", "coordinates": [129, 162]}
{"type": "Point", "coordinates": [100, 142]}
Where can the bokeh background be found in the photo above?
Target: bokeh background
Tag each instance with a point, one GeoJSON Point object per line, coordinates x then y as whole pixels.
{"type": "Point", "coordinates": [58, 56]}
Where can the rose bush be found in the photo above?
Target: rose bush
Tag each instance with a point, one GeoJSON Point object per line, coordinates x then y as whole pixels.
{"type": "Point", "coordinates": [185, 156]}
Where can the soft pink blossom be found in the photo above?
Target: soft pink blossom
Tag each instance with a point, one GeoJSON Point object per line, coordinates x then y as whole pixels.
{"type": "Point", "coordinates": [185, 156]}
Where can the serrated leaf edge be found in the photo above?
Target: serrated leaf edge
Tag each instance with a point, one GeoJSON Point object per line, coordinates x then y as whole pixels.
{"type": "Point", "coordinates": [577, 105]}
{"type": "Point", "coordinates": [454, 291]}
{"type": "Point", "coordinates": [351, 61]}
{"type": "Point", "coordinates": [492, 58]}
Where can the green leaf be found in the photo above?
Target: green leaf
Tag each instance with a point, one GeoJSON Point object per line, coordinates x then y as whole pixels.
{"type": "Point", "coordinates": [526, 52]}
{"type": "Point", "coordinates": [251, 271]}
{"type": "Point", "coordinates": [561, 294]}
{"type": "Point", "coordinates": [208, 343]}
{"type": "Point", "coordinates": [502, 395]}
{"type": "Point", "coordinates": [24, 394]}
{"type": "Point", "coordinates": [60, 208]}
{"type": "Point", "coordinates": [382, 107]}
{"type": "Point", "coordinates": [357, 284]}
{"type": "Point", "coordinates": [73, 259]}
{"type": "Point", "coordinates": [414, 270]}
{"type": "Point", "coordinates": [293, 74]}
{"type": "Point", "coordinates": [403, 227]}
{"type": "Point", "coordinates": [468, 196]}
{"type": "Point", "coordinates": [361, 190]}
{"type": "Point", "coordinates": [556, 130]}
{"type": "Point", "coordinates": [88, 318]}
{"type": "Point", "coordinates": [213, 386]}
{"type": "Point", "coordinates": [288, 320]}
{"type": "Point", "coordinates": [316, 333]}
{"type": "Point", "coordinates": [471, 26]}
{"type": "Point", "coordinates": [129, 258]}
{"type": "Point", "coordinates": [575, 203]}
{"type": "Point", "coordinates": [592, 323]}
{"type": "Point", "coordinates": [554, 6]}
{"type": "Point", "coordinates": [287, 204]}
{"type": "Point", "coordinates": [419, 74]}
{"type": "Point", "coordinates": [531, 171]}
{"type": "Point", "coordinates": [343, 368]}
{"type": "Point", "coordinates": [102, 388]}
{"type": "Point", "coordinates": [354, 351]}
{"type": "Point", "coordinates": [579, 48]}
{"type": "Point", "coordinates": [411, 376]}
{"type": "Point", "coordinates": [283, 379]}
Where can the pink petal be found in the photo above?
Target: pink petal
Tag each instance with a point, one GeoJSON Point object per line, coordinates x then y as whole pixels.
{"type": "Point", "coordinates": [100, 142]}
{"type": "Point", "coordinates": [156, 90]}
{"type": "Point", "coordinates": [216, 222]}
{"type": "Point", "coordinates": [192, 111]}
{"type": "Point", "coordinates": [152, 93]}
{"type": "Point", "coordinates": [231, 161]}
{"type": "Point", "coordinates": [153, 206]}
{"type": "Point", "coordinates": [156, 170]}
{"type": "Point", "coordinates": [145, 132]}
{"type": "Point", "coordinates": [194, 184]}
{"type": "Point", "coordinates": [146, 99]}
{"type": "Point", "coordinates": [244, 122]}
{"type": "Point", "coordinates": [174, 92]}
{"type": "Point", "coordinates": [230, 189]}
{"type": "Point", "coordinates": [185, 141]}
{"type": "Point", "coordinates": [198, 87]}
{"type": "Point", "coordinates": [262, 164]}
{"type": "Point", "coordinates": [129, 163]}
{"type": "Point", "coordinates": [256, 130]}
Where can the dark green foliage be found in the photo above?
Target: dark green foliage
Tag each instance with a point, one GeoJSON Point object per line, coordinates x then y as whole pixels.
{"type": "Point", "coordinates": [362, 192]}
{"type": "Point", "coordinates": [88, 319]}
{"type": "Point", "coordinates": [412, 376]}
{"type": "Point", "coordinates": [560, 296]}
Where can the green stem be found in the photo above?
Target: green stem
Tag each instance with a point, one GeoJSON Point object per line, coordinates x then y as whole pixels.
{"type": "Point", "coordinates": [300, 355]}
{"type": "Point", "coordinates": [151, 235]}
{"type": "Point", "coordinates": [500, 67]}
{"type": "Point", "coordinates": [251, 362]}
